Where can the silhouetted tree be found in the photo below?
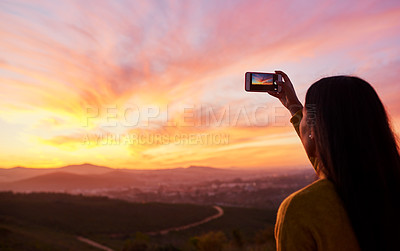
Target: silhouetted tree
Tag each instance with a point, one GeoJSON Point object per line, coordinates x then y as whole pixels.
{"type": "Point", "coordinates": [237, 238]}
{"type": "Point", "coordinates": [140, 243]}
{"type": "Point", "coordinates": [212, 241]}
{"type": "Point", "coordinates": [265, 236]}
{"type": "Point", "coordinates": [168, 247]}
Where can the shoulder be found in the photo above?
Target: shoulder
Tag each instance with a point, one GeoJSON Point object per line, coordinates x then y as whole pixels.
{"type": "Point", "coordinates": [314, 217]}
{"type": "Point", "coordinates": [307, 203]}
{"type": "Point", "coordinates": [296, 217]}
{"type": "Point", "coordinates": [308, 200]}
{"type": "Point", "coordinates": [320, 190]}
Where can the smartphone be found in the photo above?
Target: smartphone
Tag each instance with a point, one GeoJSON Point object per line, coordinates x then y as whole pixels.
{"type": "Point", "coordinates": [262, 82]}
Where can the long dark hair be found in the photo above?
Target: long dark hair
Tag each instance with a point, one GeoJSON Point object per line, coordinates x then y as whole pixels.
{"type": "Point", "coordinates": [360, 155]}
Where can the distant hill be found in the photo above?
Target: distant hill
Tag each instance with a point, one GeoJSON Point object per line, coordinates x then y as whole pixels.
{"type": "Point", "coordinates": [73, 178]}
{"type": "Point", "coordinates": [209, 169]}
{"type": "Point", "coordinates": [85, 168]}
{"type": "Point", "coordinates": [18, 173]}
{"type": "Point", "coordinates": [68, 182]}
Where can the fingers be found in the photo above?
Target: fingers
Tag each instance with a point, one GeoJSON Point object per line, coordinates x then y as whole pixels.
{"type": "Point", "coordinates": [285, 77]}
{"type": "Point", "coordinates": [275, 94]}
{"type": "Point", "coordinates": [282, 85]}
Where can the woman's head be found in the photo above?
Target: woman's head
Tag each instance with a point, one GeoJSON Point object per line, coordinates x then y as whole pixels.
{"type": "Point", "coordinates": [352, 138]}
{"type": "Point", "coordinates": [346, 120]}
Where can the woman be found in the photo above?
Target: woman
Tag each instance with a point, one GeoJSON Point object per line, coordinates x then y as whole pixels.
{"type": "Point", "coordinates": [346, 134]}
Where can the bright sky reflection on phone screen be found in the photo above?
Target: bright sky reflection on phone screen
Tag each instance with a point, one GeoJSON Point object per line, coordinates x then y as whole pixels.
{"type": "Point", "coordinates": [262, 79]}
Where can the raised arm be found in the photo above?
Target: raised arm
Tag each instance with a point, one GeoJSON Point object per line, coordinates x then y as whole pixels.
{"type": "Point", "coordinates": [287, 95]}
{"type": "Point", "coordinates": [289, 99]}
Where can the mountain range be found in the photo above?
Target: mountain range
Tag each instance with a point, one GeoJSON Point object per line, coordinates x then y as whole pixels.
{"type": "Point", "coordinates": [87, 176]}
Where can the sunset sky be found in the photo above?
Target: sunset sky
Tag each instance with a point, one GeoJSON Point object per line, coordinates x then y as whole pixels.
{"type": "Point", "coordinates": [160, 84]}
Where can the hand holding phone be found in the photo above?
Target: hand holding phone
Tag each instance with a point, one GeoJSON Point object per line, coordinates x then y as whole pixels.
{"type": "Point", "coordinates": [286, 93]}
{"type": "Point", "coordinates": [262, 82]}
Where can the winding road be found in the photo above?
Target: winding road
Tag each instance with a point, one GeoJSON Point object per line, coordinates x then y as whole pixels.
{"type": "Point", "coordinates": [220, 213]}
{"type": "Point", "coordinates": [94, 244]}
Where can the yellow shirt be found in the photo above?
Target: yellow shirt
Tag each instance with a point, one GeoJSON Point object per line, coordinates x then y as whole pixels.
{"type": "Point", "coordinates": [314, 217]}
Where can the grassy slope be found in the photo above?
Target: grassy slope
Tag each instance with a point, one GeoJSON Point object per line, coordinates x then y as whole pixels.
{"type": "Point", "coordinates": [24, 215]}
{"type": "Point", "coordinates": [17, 235]}
{"type": "Point", "coordinates": [249, 221]}
{"type": "Point", "coordinates": [52, 221]}
{"type": "Point", "coordinates": [85, 215]}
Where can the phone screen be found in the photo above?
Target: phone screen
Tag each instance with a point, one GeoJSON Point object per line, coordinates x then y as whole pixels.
{"type": "Point", "coordinates": [262, 79]}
